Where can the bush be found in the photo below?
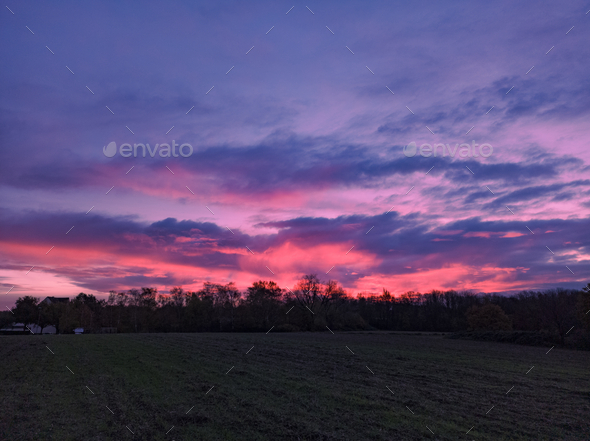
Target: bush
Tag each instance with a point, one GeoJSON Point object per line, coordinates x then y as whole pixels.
{"type": "Point", "coordinates": [488, 317]}
{"type": "Point", "coordinates": [519, 337]}
{"type": "Point", "coordinates": [286, 327]}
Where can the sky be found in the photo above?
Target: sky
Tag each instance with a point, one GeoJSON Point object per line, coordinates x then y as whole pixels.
{"type": "Point", "coordinates": [301, 120]}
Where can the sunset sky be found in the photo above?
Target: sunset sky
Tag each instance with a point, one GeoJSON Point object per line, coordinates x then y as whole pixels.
{"type": "Point", "coordinates": [298, 147]}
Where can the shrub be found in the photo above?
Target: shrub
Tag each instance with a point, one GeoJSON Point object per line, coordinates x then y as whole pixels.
{"type": "Point", "coordinates": [488, 317]}
{"type": "Point", "coordinates": [286, 327]}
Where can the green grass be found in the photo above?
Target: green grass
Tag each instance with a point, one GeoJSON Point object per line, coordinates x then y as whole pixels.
{"type": "Point", "coordinates": [297, 386]}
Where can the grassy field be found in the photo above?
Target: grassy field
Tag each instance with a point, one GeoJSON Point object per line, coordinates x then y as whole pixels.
{"type": "Point", "coordinates": [296, 386]}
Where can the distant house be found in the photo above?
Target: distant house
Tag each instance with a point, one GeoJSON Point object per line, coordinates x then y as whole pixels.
{"type": "Point", "coordinates": [54, 300]}
{"type": "Point", "coordinates": [20, 328]}
{"type": "Point", "coordinates": [79, 331]}
{"type": "Point", "coordinates": [14, 329]}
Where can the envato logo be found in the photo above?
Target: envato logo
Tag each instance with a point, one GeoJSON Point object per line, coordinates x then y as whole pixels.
{"type": "Point", "coordinates": [164, 150]}
{"type": "Point", "coordinates": [465, 150]}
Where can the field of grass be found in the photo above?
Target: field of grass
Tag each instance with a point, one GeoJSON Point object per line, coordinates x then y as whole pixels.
{"type": "Point", "coordinates": [296, 386]}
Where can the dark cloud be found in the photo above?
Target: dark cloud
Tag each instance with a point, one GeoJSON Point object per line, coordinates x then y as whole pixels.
{"type": "Point", "coordinates": [555, 191]}
{"type": "Point", "coordinates": [401, 243]}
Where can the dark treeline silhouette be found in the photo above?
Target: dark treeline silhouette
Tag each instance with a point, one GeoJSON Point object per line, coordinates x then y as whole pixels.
{"type": "Point", "coordinates": [311, 306]}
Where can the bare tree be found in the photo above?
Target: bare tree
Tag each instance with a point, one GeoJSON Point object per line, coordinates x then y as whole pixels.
{"type": "Point", "coordinates": [178, 296]}
{"type": "Point", "coordinates": [308, 290]}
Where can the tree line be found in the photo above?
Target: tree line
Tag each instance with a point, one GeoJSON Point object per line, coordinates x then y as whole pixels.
{"type": "Point", "coordinates": [312, 305]}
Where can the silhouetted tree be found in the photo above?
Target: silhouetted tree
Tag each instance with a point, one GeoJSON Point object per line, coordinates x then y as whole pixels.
{"type": "Point", "coordinates": [89, 309]}
{"type": "Point", "coordinates": [263, 299]}
{"type": "Point", "coordinates": [27, 310]}
{"type": "Point", "coordinates": [584, 306]}
{"type": "Point", "coordinates": [307, 292]}
{"type": "Point", "coordinates": [558, 309]}
{"type": "Point", "coordinates": [45, 317]}
{"type": "Point", "coordinates": [313, 305]}
{"type": "Point", "coordinates": [226, 299]}
{"type": "Point", "coordinates": [6, 318]}
{"type": "Point", "coordinates": [331, 299]}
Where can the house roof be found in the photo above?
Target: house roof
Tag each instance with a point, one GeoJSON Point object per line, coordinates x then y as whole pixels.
{"type": "Point", "coordinates": [56, 300]}
{"type": "Point", "coordinates": [14, 327]}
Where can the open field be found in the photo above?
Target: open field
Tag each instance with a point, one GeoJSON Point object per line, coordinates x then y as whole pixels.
{"type": "Point", "coordinates": [299, 386]}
